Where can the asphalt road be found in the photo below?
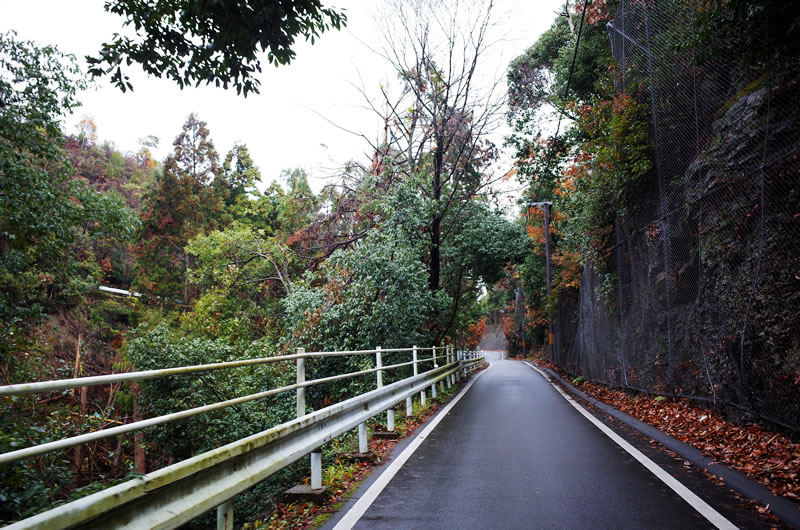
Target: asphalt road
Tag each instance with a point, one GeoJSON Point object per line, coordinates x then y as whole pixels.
{"type": "Point", "coordinates": [513, 453]}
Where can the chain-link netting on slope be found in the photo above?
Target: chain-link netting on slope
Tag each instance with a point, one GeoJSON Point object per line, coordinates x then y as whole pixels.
{"type": "Point", "coordinates": [707, 263]}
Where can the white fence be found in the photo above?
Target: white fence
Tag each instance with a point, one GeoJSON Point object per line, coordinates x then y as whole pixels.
{"type": "Point", "coordinates": [178, 493]}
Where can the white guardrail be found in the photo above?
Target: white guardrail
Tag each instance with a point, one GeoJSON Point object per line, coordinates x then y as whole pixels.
{"type": "Point", "coordinates": [173, 495]}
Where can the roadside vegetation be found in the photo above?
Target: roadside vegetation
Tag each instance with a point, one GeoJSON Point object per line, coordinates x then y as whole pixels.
{"type": "Point", "coordinates": [406, 246]}
{"type": "Point", "coordinates": [229, 263]}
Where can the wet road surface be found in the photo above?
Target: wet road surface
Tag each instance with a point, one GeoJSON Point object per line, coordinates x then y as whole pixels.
{"type": "Point", "coordinates": [513, 453]}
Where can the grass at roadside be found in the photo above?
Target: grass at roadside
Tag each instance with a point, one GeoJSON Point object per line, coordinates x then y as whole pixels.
{"type": "Point", "coordinates": [766, 457]}
{"type": "Point", "coordinates": [342, 477]}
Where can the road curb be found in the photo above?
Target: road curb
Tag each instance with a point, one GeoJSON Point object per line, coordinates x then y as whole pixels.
{"type": "Point", "coordinates": [400, 447]}
{"type": "Point", "coordinates": [782, 508]}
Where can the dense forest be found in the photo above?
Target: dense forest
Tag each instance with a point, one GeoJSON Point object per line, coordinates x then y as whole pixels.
{"type": "Point", "coordinates": [404, 248]}
{"type": "Point", "coordinates": [673, 189]}
{"type": "Point", "coordinates": [226, 263]}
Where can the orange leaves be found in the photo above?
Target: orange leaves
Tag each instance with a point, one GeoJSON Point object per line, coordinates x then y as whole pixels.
{"type": "Point", "coordinates": [475, 333]}
{"type": "Point", "coordinates": [569, 268]}
{"type": "Point", "coordinates": [597, 11]}
{"type": "Point", "coordinates": [166, 220]}
{"type": "Point", "coordinates": [535, 227]}
{"type": "Point", "coordinates": [536, 316]}
{"type": "Point", "coordinates": [770, 458]}
{"type": "Point", "coordinates": [536, 233]}
{"type": "Point", "coordinates": [621, 102]}
{"type": "Point", "coordinates": [295, 237]}
{"type": "Point", "coordinates": [576, 170]}
{"type": "Point", "coordinates": [509, 328]}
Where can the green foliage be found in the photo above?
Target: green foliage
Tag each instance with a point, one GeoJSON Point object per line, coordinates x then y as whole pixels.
{"type": "Point", "coordinates": [30, 486]}
{"type": "Point", "coordinates": [159, 348]}
{"type": "Point", "coordinates": [239, 176]}
{"type": "Point", "coordinates": [191, 41]}
{"type": "Point", "coordinates": [47, 219]}
{"type": "Point", "coordinates": [530, 75]}
{"type": "Point", "coordinates": [537, 81]}
{"type": "Point", "coordinates": [373, 294]}
{"type": "Point", "coordinates": [475, 256]}
{"type": "Point", "coordinates": [187, 200]}
{"type": "Point", "coordinates": [603, 178]}
{"type": "Point", "coordinates": [299, 204]}
{"type": "Point", "coordinates": [243, 274]}
{"type": "Point", "coordinates": [592, 171]}
{"type": "Point", "coordinates": [485, 243]}
{"type": "Point", "coordinates": [752, 30]}
{"type": "Point", "coordinates": [261, 210]}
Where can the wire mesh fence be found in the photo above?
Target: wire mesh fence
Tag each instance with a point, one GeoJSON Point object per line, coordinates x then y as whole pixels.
{"type": "Point", "coordinates": [706, 264]}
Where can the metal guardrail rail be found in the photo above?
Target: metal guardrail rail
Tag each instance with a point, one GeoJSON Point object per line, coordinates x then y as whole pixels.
{"type": "Point", "coordinates": [174, 495]}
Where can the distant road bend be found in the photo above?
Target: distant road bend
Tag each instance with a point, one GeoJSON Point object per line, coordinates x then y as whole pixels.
{"type": "Point", "coordinates": [513, 453]}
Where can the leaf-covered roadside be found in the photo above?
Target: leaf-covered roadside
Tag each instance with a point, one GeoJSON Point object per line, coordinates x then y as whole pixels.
{"type": "Point", "coordinates": [767, 457]}
{"type": "Point", "coordinates": [343, 478]}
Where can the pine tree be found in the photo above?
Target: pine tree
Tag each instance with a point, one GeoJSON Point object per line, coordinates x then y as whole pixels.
{"type": "Point", "coordinates": [187, 200]}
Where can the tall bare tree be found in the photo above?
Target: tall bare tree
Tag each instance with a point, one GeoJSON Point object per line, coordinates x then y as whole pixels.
{"type": "Point", "coordinates": [437, 124]}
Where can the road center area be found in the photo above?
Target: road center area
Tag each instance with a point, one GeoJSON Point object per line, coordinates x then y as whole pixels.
{"type": "Point", "coordinates": [513, 453]}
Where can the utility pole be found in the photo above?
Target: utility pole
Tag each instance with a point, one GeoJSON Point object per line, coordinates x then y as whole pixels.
{"type": "Point", "coordinates": [519, 301]}
{"type": "Point", "coordinates": [545, 207]}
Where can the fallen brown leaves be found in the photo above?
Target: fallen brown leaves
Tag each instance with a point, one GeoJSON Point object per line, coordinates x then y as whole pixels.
{"type": "Point", "coordinates": [309, 515]}
{"type": "Point", "coordinates": [767, 457]}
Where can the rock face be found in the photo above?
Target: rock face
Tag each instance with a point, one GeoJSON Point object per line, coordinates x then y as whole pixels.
{"type": "Point", "coordinates": [706, 267]}
{"type": "Point", "coordinates": [494, 339]}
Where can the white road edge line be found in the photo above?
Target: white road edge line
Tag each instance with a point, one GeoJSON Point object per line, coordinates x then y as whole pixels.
{"type": "Point", "coordinates": [713, 516]}
{"type": "Point", "coordinates": [362, 505]}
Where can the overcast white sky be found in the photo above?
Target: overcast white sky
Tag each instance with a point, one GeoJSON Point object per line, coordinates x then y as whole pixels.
{"type": "Point", "coordinates": [283, 125]}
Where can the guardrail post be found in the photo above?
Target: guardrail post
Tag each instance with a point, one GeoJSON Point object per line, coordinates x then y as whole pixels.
{"type": "Point", "coordinates": [458, 370]}
{"type": "Point", "coordinates": [225, 516]}
{"type": "Point", "coordinates": [422, 392]}
{"type": "Point", "coordinates": [448, 357]}
{"type": "Point", "coordinates": [435, 365]}
{"type": "Point", "coordinates": [441, 381]}
{"type": "Point", "coordinates": [390, 420]}
{"type": "Point", "coordinates": [409, 400]}
{"type": "Point", "coordinates": [301, 378]}
{"type": "Point", "coordinates": [379, 364]}
{"type": "Point", "coordinates": [316, 470]}
{"type": "Point", "coordinates": [453, 359]}
{"type": "Point", "coordinates": [363, 447]}
{"type": "Point", "coordinates": [389, 412]}
{"type": "Point", "coordinates": [316, 454]}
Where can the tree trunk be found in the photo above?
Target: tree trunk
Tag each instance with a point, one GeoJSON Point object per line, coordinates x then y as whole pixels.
{"type": "Point", "coordinates": [436, 225]}
{"type": "Point", "coordinates": [186, 279]}
{"type": "Point", "coordinates": [77, 455]}
{"type": "Point", "coordinates": [433, 274]}
{"type": "Point", "coordinates": [140, 463]}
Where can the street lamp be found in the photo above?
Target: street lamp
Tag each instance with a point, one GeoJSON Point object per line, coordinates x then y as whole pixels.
{"type": "Point", "coordinates": [545, 207]}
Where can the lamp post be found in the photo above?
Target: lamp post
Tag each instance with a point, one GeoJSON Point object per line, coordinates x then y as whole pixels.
{"type": "Point", "coordinates": [545, 207]}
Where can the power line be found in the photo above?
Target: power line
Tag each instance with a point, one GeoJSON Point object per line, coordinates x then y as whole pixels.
{"type": "Point", "coordinates": [566, 89]}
